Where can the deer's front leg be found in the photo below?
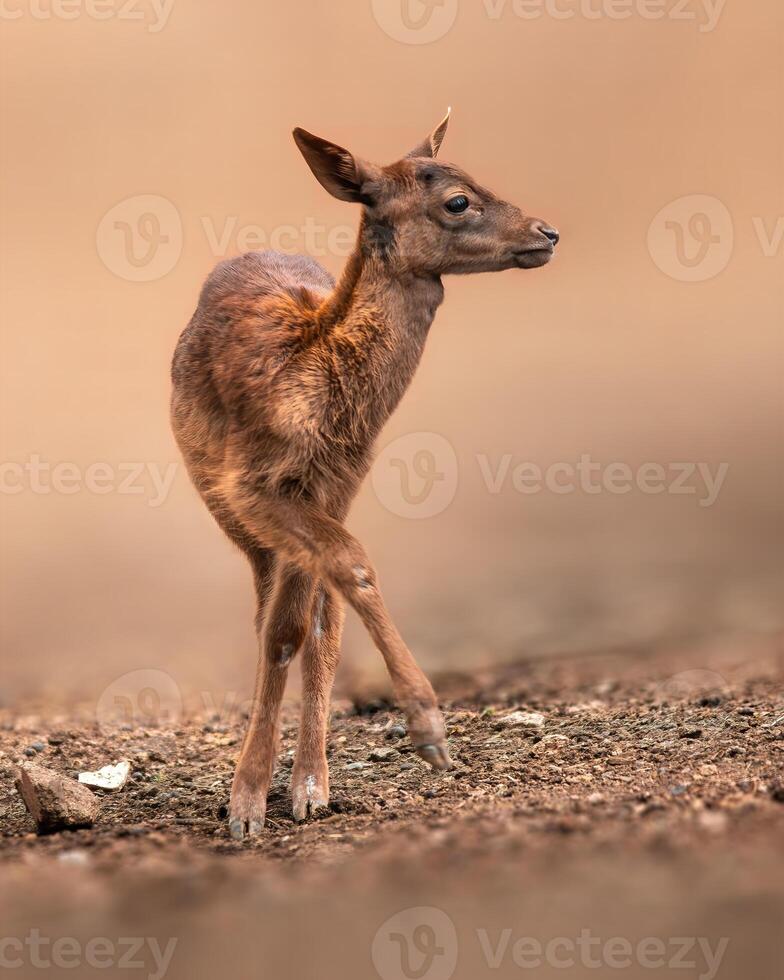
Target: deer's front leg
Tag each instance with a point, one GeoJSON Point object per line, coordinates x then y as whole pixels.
{"type": "Point", "coordinates": [320, 656]}
{"type": "Point", "coordinates": [281, 637]}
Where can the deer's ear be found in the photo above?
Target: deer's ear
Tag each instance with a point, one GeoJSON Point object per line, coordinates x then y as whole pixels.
{"type": "Point", "coordinates": [337, 170]}
{"type": "Point", "coordinates": [429, 147]}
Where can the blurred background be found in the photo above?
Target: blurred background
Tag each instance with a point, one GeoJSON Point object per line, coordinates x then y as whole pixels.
{"type": "Point", "coordinates": [140, 144]}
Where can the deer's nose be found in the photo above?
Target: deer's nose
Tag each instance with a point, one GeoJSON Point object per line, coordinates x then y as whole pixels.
{"type": "Point", "coordinates": [550, 233]}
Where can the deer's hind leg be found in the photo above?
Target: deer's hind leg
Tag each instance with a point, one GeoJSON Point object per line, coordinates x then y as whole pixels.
{"type": "Point", "coordinates": [320, 656]}
{"type": "Point", "coordinates": [282, 623]}
{"type": "Point", "coordinates": [313, 539]}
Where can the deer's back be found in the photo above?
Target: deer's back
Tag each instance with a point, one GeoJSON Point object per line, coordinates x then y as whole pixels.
{"type": "Point", "coordinates": [255, 317]}
{"type": "Point", "coordinates": [257, 274]}
{"type": "Point", "coordinates": [239, 286]}
{"type": "Point", "coordinates": [239, 315]}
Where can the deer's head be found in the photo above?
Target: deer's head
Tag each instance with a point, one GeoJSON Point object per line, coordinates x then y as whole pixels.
{"type": "Point", "coordinates": [428, 217]}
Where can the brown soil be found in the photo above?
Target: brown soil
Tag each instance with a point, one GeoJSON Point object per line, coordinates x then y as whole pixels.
{"type": "Point", "coordinates": [656, 782]}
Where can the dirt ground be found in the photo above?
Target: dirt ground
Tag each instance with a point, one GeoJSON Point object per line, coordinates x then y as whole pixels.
{"type": "Point", "coordinates": [646, 799]}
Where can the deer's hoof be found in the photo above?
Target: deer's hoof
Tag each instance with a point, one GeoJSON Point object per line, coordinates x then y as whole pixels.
{"type": "Point", "coordinates": [437, 755]}
{"type": "Point", "coordinates": [242, 829]}
{"type": "Point", "coordinates": [309, 795]}
{"type": "Point", "coordinates": [246, 814]}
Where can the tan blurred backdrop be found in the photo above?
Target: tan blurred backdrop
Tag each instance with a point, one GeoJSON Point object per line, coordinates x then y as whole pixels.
{"type": "Point", "coordinates": [143, 142]}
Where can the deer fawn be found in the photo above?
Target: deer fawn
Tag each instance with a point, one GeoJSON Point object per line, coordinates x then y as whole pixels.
{"type": "Point", "coordinates": [282, 382]}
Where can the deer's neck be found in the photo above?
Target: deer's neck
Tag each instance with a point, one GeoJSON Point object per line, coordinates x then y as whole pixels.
{"type": "Point", "coordinates": [377, 321]}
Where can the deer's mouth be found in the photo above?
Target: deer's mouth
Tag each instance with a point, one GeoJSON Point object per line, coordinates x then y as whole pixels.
{"type": "Point", "coordinates": [532, 258]}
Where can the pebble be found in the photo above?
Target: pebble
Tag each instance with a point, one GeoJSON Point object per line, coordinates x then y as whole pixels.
{"type": "Point", "coordinates": [383, 755]}
{"type": "Point", "coordinates": [529, 719]}
{"type": "Point", "coordinates": [395, 732]}
{"type": "Point", "coordinates": [108, 777]}
{"type": "Point", "coordinates": [352, 766]}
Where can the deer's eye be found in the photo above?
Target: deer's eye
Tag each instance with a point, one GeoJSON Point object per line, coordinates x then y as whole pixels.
{"type": "Point", "coordinates": [457, 204]}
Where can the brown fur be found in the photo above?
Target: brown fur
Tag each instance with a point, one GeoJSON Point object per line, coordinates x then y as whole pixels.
{"type": "Point", "coordinates": [282, 382]}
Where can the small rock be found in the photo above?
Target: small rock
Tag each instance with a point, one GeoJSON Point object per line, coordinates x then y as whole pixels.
{"type": "Point", "coordinates": [38, 746]}
{"type": "Point", "coordinates": [383, 755]}
{"type": "Point", "coordinates": [108, 777]}
{"type": "Point", "coordinates": [395, 732]}
{"type": "Point", "coordinates": [353, 766]}
{"type": "Point", "coordinates": [529, 719]}
{"type": "Point", "coordinates": [54, 801]}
